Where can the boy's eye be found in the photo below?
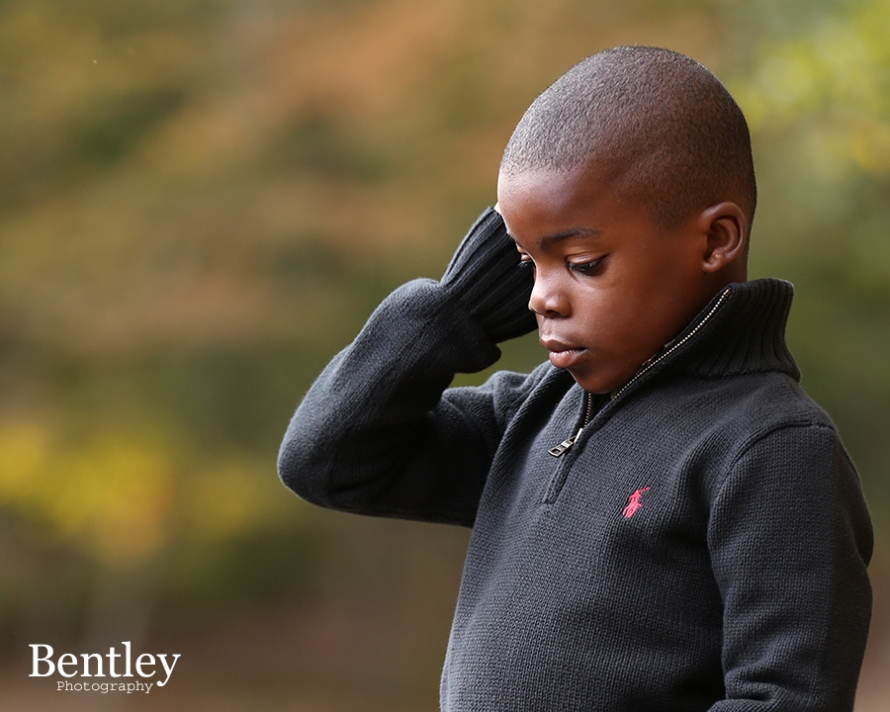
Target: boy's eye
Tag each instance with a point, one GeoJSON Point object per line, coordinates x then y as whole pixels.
{"type": "Point", "coordinates": [526, 263]}
{"type": "Point", "coordinates": [587, 267]}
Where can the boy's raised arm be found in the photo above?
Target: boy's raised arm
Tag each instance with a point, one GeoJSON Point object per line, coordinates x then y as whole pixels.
{"type": "Point", "coordinates": [375, 434]}
{"type": "Point", "coordinates": [790, 540]}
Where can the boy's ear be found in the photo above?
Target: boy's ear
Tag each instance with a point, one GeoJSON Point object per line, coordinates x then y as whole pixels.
{"type": "Point", "coordinates": [727, 232]}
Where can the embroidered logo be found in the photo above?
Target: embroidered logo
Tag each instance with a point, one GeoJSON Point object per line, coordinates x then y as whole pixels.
{"type": "Point", "coordinates": [633, 503]}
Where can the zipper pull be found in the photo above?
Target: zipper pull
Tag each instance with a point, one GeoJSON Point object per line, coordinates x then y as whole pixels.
{"type": "Point", "coordinates": [560, 449]}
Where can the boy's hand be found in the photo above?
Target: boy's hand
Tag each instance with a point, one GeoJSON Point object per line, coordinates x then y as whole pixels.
{"type": "Point", "coordinates": [486, 276]}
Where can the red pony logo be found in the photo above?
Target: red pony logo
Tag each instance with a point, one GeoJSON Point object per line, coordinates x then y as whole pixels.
{"type": "Point", "coordinates": [633, 503]}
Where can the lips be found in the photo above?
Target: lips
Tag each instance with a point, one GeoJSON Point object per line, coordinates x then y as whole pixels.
{"type": "Point", "coordinates": [562, 354]}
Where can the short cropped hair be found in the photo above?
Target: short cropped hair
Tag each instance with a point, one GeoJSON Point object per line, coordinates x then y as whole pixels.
{"type": "Point", "coordinates": [661, 126]}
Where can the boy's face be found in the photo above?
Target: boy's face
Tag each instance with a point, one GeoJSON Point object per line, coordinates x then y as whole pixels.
{"type": "Point", "coordinates": [611, 288]}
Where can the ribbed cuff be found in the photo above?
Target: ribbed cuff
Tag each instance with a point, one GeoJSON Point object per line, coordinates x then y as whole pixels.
{"type": "Point", "coordinates": [485, 274]}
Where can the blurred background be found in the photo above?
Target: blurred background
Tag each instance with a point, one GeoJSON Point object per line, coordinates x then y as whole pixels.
{"type": "Point", "coordinates": [202, 200]}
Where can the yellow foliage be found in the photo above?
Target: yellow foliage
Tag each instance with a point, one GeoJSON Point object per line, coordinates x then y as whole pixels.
{"type": "Point", "coordinates": [23, 455]}
{"type": "Point", "coordinates": [117, 493]}
{"type": "Point", "coordinates": [111, 495]}
{"type": "Point", "coordinates": [832, 80]}
{"type": "Point", "coordinates": [869, 145]}
{"type": "Point", "coordinates": [226, 499]}
{"type": "Point", "coordinates": [121, 499]}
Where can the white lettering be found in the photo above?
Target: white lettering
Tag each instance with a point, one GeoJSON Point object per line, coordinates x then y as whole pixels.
{"type": "Point", "coordinates": [86, 664]}
{"type": "Point", "coordinates": [140, 663]}
{"type": "Point", "coordinates": [112, 654]}
{"type": "Point", "coordinates": [163, 658]}
{"type": "Point", "coordinates": [35, 660]}
{"type": "Point", "coordinates": [128, 645]}
{"type": "Point", "coordinates": [92, 665]}
{"type": "Point", "coordinates": [64, 661]}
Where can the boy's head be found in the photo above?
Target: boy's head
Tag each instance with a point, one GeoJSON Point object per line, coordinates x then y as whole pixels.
{"type": "Point", "coordinates": [629, 184]}
{"type": "Point", "coordinates": [657, 125]}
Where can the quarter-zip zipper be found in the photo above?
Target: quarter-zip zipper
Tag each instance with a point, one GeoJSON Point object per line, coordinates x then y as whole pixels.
{"type": "Point", "coordinates": [561, 449]}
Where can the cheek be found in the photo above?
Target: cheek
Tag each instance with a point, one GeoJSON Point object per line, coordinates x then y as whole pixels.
{"type": "Point", "coordinates": [661, 282]}
{"type": "Point", "coordinates": [628, 323]}
{"type": "Point", "coordinates": [608, 315]}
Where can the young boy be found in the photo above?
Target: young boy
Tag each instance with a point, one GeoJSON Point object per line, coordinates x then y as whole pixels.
{"type": "Point", "coordinates": [662, 519]}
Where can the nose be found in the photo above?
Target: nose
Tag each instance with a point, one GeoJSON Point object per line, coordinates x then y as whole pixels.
{"type": "Point", "coordinates": [547, 298]}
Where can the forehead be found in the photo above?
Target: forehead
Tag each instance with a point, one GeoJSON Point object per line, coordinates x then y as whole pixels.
{"type": "Point", "coordinates": [538, 203]}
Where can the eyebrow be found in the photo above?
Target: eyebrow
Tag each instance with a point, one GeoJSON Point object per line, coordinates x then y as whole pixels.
{"type": "Point", "coordinates": [548, 240]}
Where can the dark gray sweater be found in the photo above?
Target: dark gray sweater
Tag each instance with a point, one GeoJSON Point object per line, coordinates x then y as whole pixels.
{"type": "Point", "coordinates": [701, 546]}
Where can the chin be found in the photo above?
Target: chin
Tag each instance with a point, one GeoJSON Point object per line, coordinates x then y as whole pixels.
{"type": "Point", "coordinates": [592, 384]}
{"type": "Point", "coordinates": [600, 383]}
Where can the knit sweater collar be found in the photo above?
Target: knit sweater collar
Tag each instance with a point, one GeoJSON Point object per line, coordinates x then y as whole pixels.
{"type": "Point", "coordinates": [742, 330]}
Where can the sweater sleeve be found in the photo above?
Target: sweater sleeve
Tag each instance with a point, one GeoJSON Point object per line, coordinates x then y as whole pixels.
{"type": "Point", "coordinates": [790, 539]}
{"type": "Point", "coordinates": [377, 433]}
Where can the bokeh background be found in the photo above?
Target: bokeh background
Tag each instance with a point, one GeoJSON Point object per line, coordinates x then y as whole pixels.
{"type": "Point", "coordinates": [200, 203]}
